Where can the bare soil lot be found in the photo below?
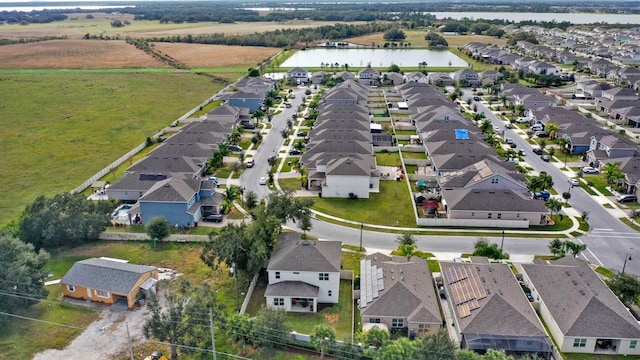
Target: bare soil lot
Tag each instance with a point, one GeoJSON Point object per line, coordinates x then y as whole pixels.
{"type": "Point", "coordinates": [210, 56]}
{"type": "Point", "coordinates": [76, 54]}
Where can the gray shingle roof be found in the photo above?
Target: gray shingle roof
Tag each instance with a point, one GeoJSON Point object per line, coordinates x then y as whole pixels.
{"type": "Point", "coordinates": [579, 302]}
{"type": "Point", "coordinates": [172, 190]}
{"type": "Point", "coordinates": [348, 166]}
{"type": "Point", "coordinates": [292, 288]}
{"type": "Point", "coordinates": [488, 200]}
{"type": "Point", "coordinates": [108, 275]}
{"type": "Point", "coordinates": [294, 254]}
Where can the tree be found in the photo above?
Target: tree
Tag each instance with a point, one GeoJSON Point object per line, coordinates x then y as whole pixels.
{"type": "Point", "coordinates": [534, 184]}
{"type": "Point", "coordinates": [322, 338]}
{"type": "Point", "coordinates": [402, 348]}
{"type": "Point", "coordinates": [270, 330]}
{"type": "Point", "coordinates": [250, 199]}
{"type": "Point", "coordinates": [574, 248]}
{"type": "Point", "coordinates": [179, 319]}
{"type": "Point", "coordinates": [375, 337]}
{"type": "Point", "coordinates": [21, 275]}
{"type": "Point", "coordinates": [554, 205]}
{"type": "Point", "coordinates": [304, 223]}
{"type": "Point", "coordinates": [626, 287]}
{"type": "Point", "coordinates": [557, 248]}
{"type": "Point", "coordinates": [407, 250]}
{"type": "Point", "coordinates": [612, 172]}
{"type": "Point", "coordinates": [63, 220]}
{"type": "Point", "coordinates": [406, 239]}
{"type": "Point", "coordinates": [254, 72]}
{"type": "Point", "coordinates": [484, 248]}
{"type": "Point", "coordinates": [552, 130]}
{"type": "Point", "coordinates": [158, 228]}
{"type": "Point", "coordinates": [394, 68]}
{"type": "Point", "coordinates": [394, 34]}
{"type": "Point", "coordinates": [486, 126]}
{"type": "Point", "coordinates": [230, 195]}
{"type": "Point", "coordinates": [239, 328]}
{"type": "Point", "coordinates": [546, 180]}
{"type": "Point", "coordinates": [438, 346]}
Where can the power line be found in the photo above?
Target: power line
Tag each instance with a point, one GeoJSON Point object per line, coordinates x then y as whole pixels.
{"type": "Point", "coordinates": [42, 321]}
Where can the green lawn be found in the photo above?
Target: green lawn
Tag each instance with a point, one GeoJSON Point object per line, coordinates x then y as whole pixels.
{"type": "Point", "coordinates": [91, 117]}
{"type": "Point", "coordinates": [393, 204]}
{"type": "Point", "coordinates": [414, 155]}
{"type": "Point", "coordinates": [388, 159]}
{"type": "Point", "coordinates": [405, 132]}
{"type": "Point", "coordinates": [599, 183]}
{"type": "Point", "coordinates": [290, 184]}
{"type": "Point", "coordinates": [351, 261]}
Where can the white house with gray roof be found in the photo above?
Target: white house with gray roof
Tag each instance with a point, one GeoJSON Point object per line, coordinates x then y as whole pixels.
{"type": "Point", "coordinates": [490, 310]}
{"type": "Point", "coordinates": [398, 294]}
{"type": "Point", "coordinates": [580, 311]}
{"type": "Point", "coordinates": [303, 273]}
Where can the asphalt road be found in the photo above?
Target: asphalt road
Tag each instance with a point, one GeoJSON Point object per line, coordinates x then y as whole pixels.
{"type": "Point", "coordinates": [609, 240]}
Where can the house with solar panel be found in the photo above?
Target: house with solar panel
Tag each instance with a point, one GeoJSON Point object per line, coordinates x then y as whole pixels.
{"type": "Point", "coordinates": [398, 294]}
{"type": "Point", "coordinates": [582, 314]}
{"type": "Point", "coordinates": [303, 274]}
{"type": "Point", "coordinates": [109, 281]}
{"type": "Point", "coordinates": [490, 310]}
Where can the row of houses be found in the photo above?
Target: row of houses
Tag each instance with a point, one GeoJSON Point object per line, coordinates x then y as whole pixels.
{"type": "Point", "coordinates": [489, 305]}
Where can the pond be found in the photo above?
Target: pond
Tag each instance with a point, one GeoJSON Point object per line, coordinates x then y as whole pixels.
{"type": "Point", "coordinates": [375, 57]}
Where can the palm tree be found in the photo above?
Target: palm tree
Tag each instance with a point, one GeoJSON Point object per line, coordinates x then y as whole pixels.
{"type": "Point", "coordinates": [557, 248]}
{"type": "Point", "coordinates": [574, 248]}
{"type": "Point", "coordinates": [534, 184]}
{"type": "Point", "coordinates": [407, 250]}
{"type": "Point", "coordinates": [405, 238]}
{"type": "Point", "coordinates": [323, 338]}
{"type": "Point", "coordinates": [546, 179]}
{"type": "Point", "coordinates": [611, 172]}
{"type": "Point", "coordinates": [230, 195]}
{"type": "Point", "coordinates": [486, 126]}
{"type": "Point", "coordinates": [554, 205]}
{"type": "Point", "coordinates": [552, 130]}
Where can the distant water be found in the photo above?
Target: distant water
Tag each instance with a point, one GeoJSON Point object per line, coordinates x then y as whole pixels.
{"type": "Point", "coordinates": [62, 7]}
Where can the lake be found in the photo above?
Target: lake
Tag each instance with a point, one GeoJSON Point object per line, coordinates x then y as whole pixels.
{"type": "Point", "coordinates": [574, 18]}
{"type": "Point", "coordinates": [375, 57]}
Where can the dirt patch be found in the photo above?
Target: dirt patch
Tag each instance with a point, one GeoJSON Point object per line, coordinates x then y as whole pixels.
{"type": "Point", "coordinates": [332, 319]}
{"type": "Point", "coordinates": [76, 54]}
{"type": "Point", "coordinates": [201, 55]}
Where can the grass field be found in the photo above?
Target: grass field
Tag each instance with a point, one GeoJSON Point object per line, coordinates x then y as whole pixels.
{"type": "Point", "coordinates": [61, 127]}
{"type": "Point", "coordinates": [208, 56]}
{"type": "Point", "coordinates": [391, 206]}
{"type": "Point", "coordinates": [416, 38]}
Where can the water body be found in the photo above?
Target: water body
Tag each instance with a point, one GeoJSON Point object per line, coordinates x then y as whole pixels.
{"type": "Point", "coordinates": [60, 7]}
{"type": "Point", "coordinates": [375, 57]}
{"type": "Point", "coordinates": [574, 18]}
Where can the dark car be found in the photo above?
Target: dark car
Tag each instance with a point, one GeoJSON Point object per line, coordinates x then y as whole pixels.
{"type": "Point", "coordinates": [537, 151]}
{"type": "Point", "coordinates": [235, 148]}
{"type": "Point", "coordinates": [545, 158]}
{"type": "Point", "coordinates": [476, 98]}
{"type": "Point", "coordinates": [248, 126]}
{"type": "Point", "coordinates": [513, 146]}
{"type": "Point", "coordinates": [213, 217]}
{"type": "Point", "coordinates": [626, 198]}
{"type": "Point", "coordinates": [302, 133]}
{"type": "Point", "coordinates": [250, 163]}
{"type": "Point", "coordinates": [295, 152]}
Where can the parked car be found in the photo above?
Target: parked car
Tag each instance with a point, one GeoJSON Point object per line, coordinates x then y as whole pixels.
{"type": "Point", "coordinates": [574, 182]}
{"type": "Point", "coordinates": [537, 151]}
{"type": "Point", "coordinates": [287, 104]}
{"type": "Point", "coordinates": [626, 198]}
{"type": "Point", "coordinates": [522, 153]}
{"type": "Point", "coordinates": [544, 195]}
{"type": "Point", "coordinates": [522, 120]}
{"type": "Point", "coordinates": [214, 179]}
{"type": "Point", "coordinates": [541, 134]}
{"type": "Point", "coordinates": [248, 126]}
{"type": "Point", "coordinates": [590, 170]}
{"type": "Point", "coordinates": [235, 148]}
{"type": "Point", "coordinates": [213, 218]}
{"type": "Point", "coordinates": [544, 158]}
{"type": "Point", "coordinates": [263, 180]}
{"type": "Point", "coordinates": [302, 133]}
{"type": "Point", "coordinates": [496, 129]}
{"type": "Point", "coordinates": [537, 127]}
{"type": "Point", "coordinates": [509, 140]}
{"type": "Point", "coordinates": [508, 126]}
{"type": "Point", "coordinates": [250, 163]}
{"type": "Point", "coordinates": [513, 145]}
{"type": "Point", "coordinates": [476, 98]}
{"type": "Point", "coordinates": [295, 152]}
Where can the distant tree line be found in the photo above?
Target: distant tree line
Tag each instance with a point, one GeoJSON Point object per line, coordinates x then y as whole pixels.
{"type": "Point", "coordinates": [33, 17]}
{"type": "Point", "coordinates": [6, 41]}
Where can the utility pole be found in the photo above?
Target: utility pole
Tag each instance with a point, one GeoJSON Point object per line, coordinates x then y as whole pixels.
{"type": "Point", "coordinates": [129, 337]}
{"type": "Point", "coordinates": [213, 336]}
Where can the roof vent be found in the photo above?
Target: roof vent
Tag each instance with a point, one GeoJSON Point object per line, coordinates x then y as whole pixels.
{"type": "Point", "coordinates": [582, 292]}
{"type": "Point", "coordinates": [575, 283]}
{"type": "Point", "coordinates": [568, 273]}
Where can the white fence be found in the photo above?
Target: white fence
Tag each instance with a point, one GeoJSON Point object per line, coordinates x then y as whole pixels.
{"type": "Point", "coordinates": [512, 224]}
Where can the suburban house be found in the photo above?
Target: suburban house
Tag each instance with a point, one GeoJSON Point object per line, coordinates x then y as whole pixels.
{"type": "Point", "coordinates": [490, 310]}
{"type": "Point", "coordinates": [440, 79]}
{"type": "Point", "coordinates": [369, 76]}
{"type": "Point", "coordinates": [298, 75]}
{"type": "Point", "coordinates": [608, 147]}
{"type": "Point", "coordinates": [531, 101]}
{"type": "Point", "coordinates": [256, 85]}
{"type": "Point", "coordinates": [183, 202]}
{"type": "Point", "coordinates": [580, 311]}
{"type": "Point", "coordinates": [466, 77]}
{"type": "Point", "coordinates": [251, 101]}
{"type": "Point", "coordinates": [109, 281]}
{"type": "Point", "coordinates": [417, 77]}
{"type": "Point", "coordinates": [398, 294]}
{"type": "Point", "coordinates": [303, 274]}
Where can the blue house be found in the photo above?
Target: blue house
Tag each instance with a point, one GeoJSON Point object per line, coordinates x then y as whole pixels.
{"type": "Point", "coordinates": [246, 100]}
{"type": "Point", "coordinates": [183, 202]}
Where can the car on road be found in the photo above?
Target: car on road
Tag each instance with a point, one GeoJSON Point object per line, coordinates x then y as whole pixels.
{"type": "Point", "coordinates": [574, 182]}
{"type": "Point", "coordinates": [544, 158]}
{"type": "Point", "coordinates": [302, 133]}
{"type": "Point", "coordinates": [250, 163]}
{"type": "Point", "coordinates": [590, 170]}
{"type": "Point", "coordinates": [476, 98]}
{"type": "Point", "coordinates": [496, 129]}
{"type": "Point", "coordinates": [235, 148]}
{"type": "Point", "coordinates": [513, 145]}
{"type": "Point", "coordinates": [522, 152]}
{"type": "Point", "coordinates": [508, 126]}
{"type": "Point", "coordinates": [626, 198]}
{"type": "Point", "coordinates": [213, 218]}
{"type": "Point", "coordinates": [295, 152]}
{"type": "Point", "coordinates": [509, 141]}
{"type": "Point", "coordinates": [263, 180]}
{"type": "Point", "coordinates": [537, 151]}
{"type": "Point", "coordinates": [287, 104]}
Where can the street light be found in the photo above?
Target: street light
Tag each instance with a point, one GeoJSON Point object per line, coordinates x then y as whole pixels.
{"type": "Point", "coordinates": [627, 256]}
{"type": "Point", "coordinates": [502, 243]}
{"type": "Point", "coordinates": [361, 228]}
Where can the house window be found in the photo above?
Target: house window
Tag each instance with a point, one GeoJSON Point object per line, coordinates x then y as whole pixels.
{"type": "Point", "coordinates": [397, 323]}
{"type": "Point", "coordinates": [494, 180]}
{"type": "Point", "coordinates": [473, 214]}
{"type": "Point", "coordinates": [374, 320]}
{"type": "Point", "coordinates": [499, 216]}
{"type": "Point", "coordinates": [489, 216]}
{"type": "Point", "coordinates": [102, 293]}
{"type": "Point", "coordinates": [71, 288]}
{"type": "Point", "coordinates": [578, 342]}
{"type": "Point", "coordinates": [296, 273]}
{"type": "Point", "coordinates": [329, 292]}
{"type": "Point", "coordinates": [633, 344]}
{"type": "Point", "coordinates": [278, 301]}
{"type": "Point", "coordinates": [323, 276]}
{"type": "Point", "coordinates": [518, 215]}
{"type": "Point", "coordinates": [277, 274]}
{"type": "Point", "coordinates": [422, 328]}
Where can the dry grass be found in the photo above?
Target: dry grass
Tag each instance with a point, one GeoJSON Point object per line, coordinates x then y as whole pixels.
{"type": "Point", "coordinates": [76, 54]}
{"type": "Point", "coordinates": [210, 56]}
{"type": "Point", "coordinates": [416, 38]}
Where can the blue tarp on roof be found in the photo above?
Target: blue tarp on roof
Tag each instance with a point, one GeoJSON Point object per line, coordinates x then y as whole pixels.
{"type": "Point", "coordinates": [462, 134]}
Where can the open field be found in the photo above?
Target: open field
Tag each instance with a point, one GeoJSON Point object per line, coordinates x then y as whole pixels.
{"type": "Point", "coordinates": [416, 38]}
{"type": "Point", "coordinates": [61, 127]}
{"type": "Point", "coordinates": [207, 56]}
{"type": "Point", "coordinates": [76, 54]}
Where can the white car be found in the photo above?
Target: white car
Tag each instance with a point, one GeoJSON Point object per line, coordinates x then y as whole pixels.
{"type": "Point", "coordinates": [590, 170]}
{"type": "Point", "coordinates": [574, 182]}
{"type": "Point", "coordinates": [263, 180]}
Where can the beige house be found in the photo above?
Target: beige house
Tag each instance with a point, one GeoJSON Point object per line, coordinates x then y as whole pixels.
{"type": "Point", "coordinates": [109, 281]}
